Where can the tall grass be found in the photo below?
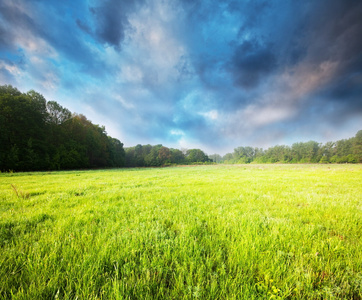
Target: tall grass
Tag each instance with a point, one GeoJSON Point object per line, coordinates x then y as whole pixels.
{"type": "Point", "coordinates": [210, 232]}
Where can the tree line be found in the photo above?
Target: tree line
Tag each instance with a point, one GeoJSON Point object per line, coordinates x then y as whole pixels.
{"type": "Point", "coordinates": [42, 135]}
{"type": "Point", "coordinates": [342, 151]}
{"type": "Point", "coordinates": [37, 134]}
{"type": "Point", "coordinates": [158, 155]}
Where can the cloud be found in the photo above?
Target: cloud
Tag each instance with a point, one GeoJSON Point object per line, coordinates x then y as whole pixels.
{"type": "Point", "coordinates": [83, 26]}
{"type": "Point", "coordinates": [17, 27]}
{"type": "Point", "coordinates": [211, 115]}
{"type": "Point", "coordinates": [229, 76]}
{"type": "Point", "coordinates": [111, 20]}
{"type": "Point", "coordinates": [216, 74]}
{"type": "Point", "coordinates": [9, 72]}
{"type": "Point", "coordinates": [250, 63]}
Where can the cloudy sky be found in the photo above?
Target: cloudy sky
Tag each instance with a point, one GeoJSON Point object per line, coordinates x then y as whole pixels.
{"type": "Point", "coordinates": [209, 74]}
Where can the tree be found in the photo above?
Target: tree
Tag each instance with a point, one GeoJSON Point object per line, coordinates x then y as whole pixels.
{"type": "Point", "coordinates": [130, 156]}
{"type": "Point", "coordinates": [357, 146]}
{"type": "Point", "coordinates": [177, 157]}
{"type": "Point", "coordinates": [305, 152]}
{"type": "Point", "coordinates": [116, 153]}
{"type": "Point", "coordinates": [40, 135]}
{"type": "Point", "coordinates": [278, 153]}
{"type": "Point", "coordinates": [215, 158]}
{"type": "Point", "coordinates": [164, 155]}
{"type": "Point", "coordinates": [9, 90]}
{"type": "Point", "coordinates": [228, 158]}
{"type": "Point", "coordinates": [196, 155]}
{"type": "Point", "coordinates": [152, 158]}
{"type": "Point", "coordinates": [22, 120]}
{"type": "Point", "coordinates": [57, 114]}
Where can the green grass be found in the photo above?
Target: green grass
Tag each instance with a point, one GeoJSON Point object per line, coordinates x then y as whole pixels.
{"type": "Point", "coordinates": [208, 232]}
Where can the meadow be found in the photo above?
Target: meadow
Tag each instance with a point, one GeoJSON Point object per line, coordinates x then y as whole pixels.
{"type": "Point", "coordinates": [207, 232]}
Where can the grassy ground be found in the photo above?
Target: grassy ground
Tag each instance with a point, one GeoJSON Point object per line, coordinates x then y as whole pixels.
{"type": "Point", "coordinates": [208, 232]}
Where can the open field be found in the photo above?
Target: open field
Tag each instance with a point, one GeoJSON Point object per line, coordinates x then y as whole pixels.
{"type": "Point", "coordinates": [208, 232]}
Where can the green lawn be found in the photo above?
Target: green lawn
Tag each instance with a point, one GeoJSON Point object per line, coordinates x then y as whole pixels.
{"type": "Point", "coordinates": [208, 232]}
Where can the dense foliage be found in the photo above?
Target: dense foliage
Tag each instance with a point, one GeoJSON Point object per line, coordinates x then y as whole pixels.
{"type": "Point", "coordinates": [42, 135]}
{"type": "Point", "coordinates": [342, 151]}
{"type": "Point", "coordinates": [153, 156]}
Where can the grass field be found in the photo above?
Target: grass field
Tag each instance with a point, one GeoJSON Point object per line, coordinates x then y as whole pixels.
{"type": "Point", "coordinates": [207, 232]}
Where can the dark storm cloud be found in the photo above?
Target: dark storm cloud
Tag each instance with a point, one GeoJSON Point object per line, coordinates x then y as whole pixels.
{"type": "Point", "coordinates": [252, 62]}
{"type": "Point", "coordinates": [350, 87]}
{"type": "Point", "coordinates": [333, 33]}
{"type": "Point", "coordinates": [335, 30]}
{"type": "Point", "coordinates": [111, 19]}
{"type": "Point", "coordinates": [337, 40]}
{"type": "Point", "coordinates": [221, 57]}
{"type": "Point", "coordinates": [344, 93]}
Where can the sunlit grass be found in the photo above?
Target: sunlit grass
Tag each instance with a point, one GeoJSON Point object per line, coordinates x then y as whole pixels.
{"type": "Point", "coordinates": [210, 232]}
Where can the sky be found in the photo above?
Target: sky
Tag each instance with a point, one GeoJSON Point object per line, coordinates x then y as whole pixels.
{"type": "Point", "coordinates": [208, 74]}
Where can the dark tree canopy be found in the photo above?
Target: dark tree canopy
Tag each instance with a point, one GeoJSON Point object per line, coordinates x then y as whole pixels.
{"type": "Point", "coordinates": [41, 135]}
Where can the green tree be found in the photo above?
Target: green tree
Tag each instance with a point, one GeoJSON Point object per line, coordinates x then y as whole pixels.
{"type": "Point", "coordinates": [38, 135]}
{"type": "Point", "coordinates": [326, 151]}
{"type": "Point", "coordinates": [196, 155]}
{"type": "Point", "coordinates": [116, 153]}
{"type": "Point", "coordinates": [177, 157]}
{"type": "Point", "coordinates": [22, 120]}
{"type": "Point", "coordinates": [152, 158]}
{"type": "Point", "coordinates": [57, 114]}
{"type": "Point", "coordinates": [357, 146]}
{"type": "Point", "coordinates": [228, 158]}
{"type": "Point", "coordinates": [164, 155]}
{"type": "Point", "coordinates": [215, 158]}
